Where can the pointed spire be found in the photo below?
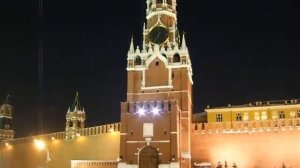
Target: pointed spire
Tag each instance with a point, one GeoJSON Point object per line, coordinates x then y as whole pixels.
{"type": "Point", "coordinates": [7, 100]}
{"type": "Point", "coordinates": [76, 104]}
{"type": "Point", "coordinates": [183, 43]}
{"type": "Point", "coordinates": [138, 51]}
{"type": "Point", "coordinates": [131, 49]}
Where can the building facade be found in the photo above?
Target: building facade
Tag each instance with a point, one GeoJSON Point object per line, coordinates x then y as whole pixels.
{"type": "Point", "coordinates": [6, 129]}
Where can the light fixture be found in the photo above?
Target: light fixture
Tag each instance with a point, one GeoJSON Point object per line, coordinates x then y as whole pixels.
{"type": "Point", "coordinates": [141, 111]}
{"type": "Point", "coordinates": [40, 145]}
{"type": "Point", "coordinates": [155, 111]}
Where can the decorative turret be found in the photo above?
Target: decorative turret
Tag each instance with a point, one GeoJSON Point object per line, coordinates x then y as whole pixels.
{"type": "Point", "coordinates": [6, 131]}
{"type": "Point", "coordinates": [75, 118]}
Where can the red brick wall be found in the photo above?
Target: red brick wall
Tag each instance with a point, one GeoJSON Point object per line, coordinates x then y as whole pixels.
{"type": "Point", "coordinates": [248, 150]}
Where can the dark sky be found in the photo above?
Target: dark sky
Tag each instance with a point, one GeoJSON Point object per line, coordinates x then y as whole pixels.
{"type": "Point", "coordinates": [241, 51]}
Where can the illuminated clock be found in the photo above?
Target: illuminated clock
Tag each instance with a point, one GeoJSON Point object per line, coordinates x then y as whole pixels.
{"type": "Point", "coordinates": [158, 35]}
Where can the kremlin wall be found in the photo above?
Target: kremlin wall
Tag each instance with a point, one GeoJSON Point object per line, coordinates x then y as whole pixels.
{"type": "Point", "coordinates": [158, 128]}
{"type": "Point", "coordinates": [98, 147]}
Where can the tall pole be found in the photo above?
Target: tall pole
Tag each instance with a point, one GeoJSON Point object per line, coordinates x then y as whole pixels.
{"type": "Point", "coordinates": [41, 63]}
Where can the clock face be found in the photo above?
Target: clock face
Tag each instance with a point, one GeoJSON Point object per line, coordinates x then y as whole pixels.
{"type": "Point", "coordinates": [158, 35]}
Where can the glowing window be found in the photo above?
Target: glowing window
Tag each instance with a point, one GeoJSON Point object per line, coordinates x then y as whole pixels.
{"type": "Point", "coordinates": [246, 116]}
{"type": "Point", "coordinates": [219, 117]}
{"type": "Point", "coordinates": [238, 117]}
{"type": "Point", "coordinates": [281, 115]}
{"type": "Point", "coordinates": [274, 115]}
{"type": "Point", "coordinates": [264, 115]}
{"type": "Point", "coordinates": [256, 116]}
{"type": "Point", "coordinates": [293, 114]}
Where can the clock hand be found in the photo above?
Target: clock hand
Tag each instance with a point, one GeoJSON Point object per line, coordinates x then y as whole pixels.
{"type": "Point", "coordinates": [157, 36]}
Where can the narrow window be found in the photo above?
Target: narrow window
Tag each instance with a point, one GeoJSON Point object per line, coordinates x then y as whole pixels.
{"type": "Point", "coordinates": [176, 58]}
{"type": "Point", "coordinates": [256, 116]}
{"type": "Point", "coordinates": [293, 114]}
{"type": "Point", "coordinates": [274, 115]}
{"type": "Point", "coordinates": [246, 116]}
{"type": "Point", "coordinates": [219, 117]}
{"type": "Point", "coordinates": [138, 60]}
{"type": "Point", "coordinates": [238, 117]}
{"type": "Point", "coordinates": [264, 115]}
{"type": "Point", "coordinates": [281, 115]}
{"type": "Point", "coordinates": [156, 63]}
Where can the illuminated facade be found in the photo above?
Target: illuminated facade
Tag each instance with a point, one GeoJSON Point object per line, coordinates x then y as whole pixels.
{"type": "Point", "coordinates": [257, 111]}
{"type": "Point", "coordinates": [6, 130]}
{"type": "Point", "coordinates": [156, 128]}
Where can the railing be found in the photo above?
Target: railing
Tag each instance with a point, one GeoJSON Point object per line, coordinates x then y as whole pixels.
{"type": "Point", "coordinates": [247, 126]}
{"type": "Point", "coordinates": [103, 129]}
{"type": "Point", "coordinates": [79, 163]}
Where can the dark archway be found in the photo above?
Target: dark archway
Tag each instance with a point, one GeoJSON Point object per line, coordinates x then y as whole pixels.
{"type": "Point", "coordinates": [176, 58]}
{"type": "Point", "coordinates": [148, 158]}
{"type": "Point", "coordinates": [138, 60]}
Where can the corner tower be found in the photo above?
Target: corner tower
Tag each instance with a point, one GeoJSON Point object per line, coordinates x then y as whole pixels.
{"type": "Point", "coordinates": [6, 130]}
{"type": "Point", "coordinates": [156, 117]}
{"type": "Point", "coordinates": [75, 119]}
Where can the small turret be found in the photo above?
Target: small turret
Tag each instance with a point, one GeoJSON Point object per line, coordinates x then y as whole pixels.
{"type": "Point", "coordinates": [75, 118]}
{"type": "Point", "coordinates": [6, 131]}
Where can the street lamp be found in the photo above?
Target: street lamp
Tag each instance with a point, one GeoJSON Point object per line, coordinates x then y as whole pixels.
{"type": "Point", "coordinates": [41, 145]}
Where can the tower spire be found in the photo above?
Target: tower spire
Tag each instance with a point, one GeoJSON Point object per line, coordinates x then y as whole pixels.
{"type": "Point", "coordinates": [7, 100]}
{"type": "Point", "coordinates": [131, 49]}
{"type": "Point", "coordinates": [183, 43]}
{"type": "Point", "coordinates": [76, 104]}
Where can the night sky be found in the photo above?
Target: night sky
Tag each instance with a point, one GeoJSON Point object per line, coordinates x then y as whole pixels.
{"type": "Point", "coordinates": [241, 52]}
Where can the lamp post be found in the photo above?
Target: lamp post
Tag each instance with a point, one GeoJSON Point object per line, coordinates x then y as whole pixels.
{"type": "Point", "coordinates": [41, 145]}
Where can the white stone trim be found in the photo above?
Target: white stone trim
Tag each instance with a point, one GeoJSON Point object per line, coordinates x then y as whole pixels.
{"type": "Point", "coordinates": [162, 141]}
{"type": "Point", "coordinates": [157, 87]}
{"type": "Point", "coordinates": [5, 117]}
{"type": "Point", "coordinates": [162, 12]}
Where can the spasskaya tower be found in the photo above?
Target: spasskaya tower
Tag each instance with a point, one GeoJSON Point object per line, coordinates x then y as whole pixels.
{"type": "Point", "coordinates": [156, 117]}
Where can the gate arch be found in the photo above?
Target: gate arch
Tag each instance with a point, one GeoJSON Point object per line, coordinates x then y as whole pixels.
{"type": "Point", "coordinates": [148, 157]}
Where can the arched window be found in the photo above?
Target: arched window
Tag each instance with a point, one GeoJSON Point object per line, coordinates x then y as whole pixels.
{"type": "Point", "coordinates": [238, 117]}
{"type": "Point", "coordinates": [298, 114]}
{"type": "Point", "coordinates": [281, 115]}
{"type": "Point", "coordinates": [138, 60]}
{"type": "Point", "coordinates": [176, 58]}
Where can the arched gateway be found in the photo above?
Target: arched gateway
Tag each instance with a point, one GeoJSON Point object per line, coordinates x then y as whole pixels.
{"type": "Point", "coordinates": [148, 158]}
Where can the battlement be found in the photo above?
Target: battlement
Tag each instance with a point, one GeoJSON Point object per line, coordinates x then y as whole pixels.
{"type": "Point", "coordinates": [102, 129]}
{"type": "Point", "coordinates": [246, 126]}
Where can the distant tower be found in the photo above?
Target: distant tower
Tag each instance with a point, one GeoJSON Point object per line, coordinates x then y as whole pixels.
{"type": "Point", "coordinates": [6, 131]}
{"type": "Point", "coordinates": [75, 118]}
